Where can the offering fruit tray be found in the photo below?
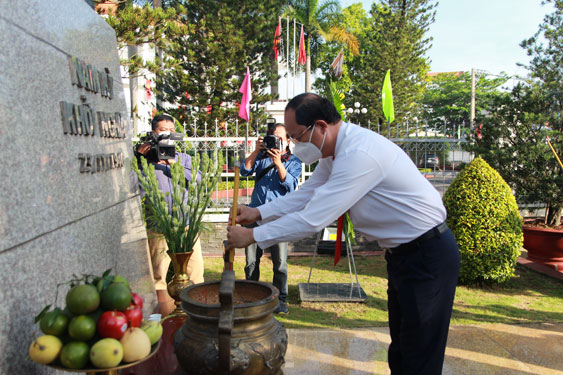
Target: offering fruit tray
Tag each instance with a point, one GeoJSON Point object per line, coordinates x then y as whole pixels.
{"type": "Point", "coordinates": [112, 370]}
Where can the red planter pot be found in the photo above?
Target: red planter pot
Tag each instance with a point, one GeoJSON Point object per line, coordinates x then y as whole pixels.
{"type": "Point", "coordinates": [544, 245]}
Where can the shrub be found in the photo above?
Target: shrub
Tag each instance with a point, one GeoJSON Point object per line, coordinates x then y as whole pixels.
{"type": "Point", "coordinates": [484, 217]}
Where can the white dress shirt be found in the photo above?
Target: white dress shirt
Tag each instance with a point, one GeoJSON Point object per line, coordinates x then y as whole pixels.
{"type": "Point", "coordinates": [388, 199]}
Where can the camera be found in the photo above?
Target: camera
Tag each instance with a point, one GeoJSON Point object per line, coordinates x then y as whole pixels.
{"type": "Point", "coordinates": [271, 141]}
{"type": "Point", "coordinates": [163, 145]}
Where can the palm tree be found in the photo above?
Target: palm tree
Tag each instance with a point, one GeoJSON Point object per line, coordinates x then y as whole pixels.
{"type": "Point", "coordinates": [320, 21]}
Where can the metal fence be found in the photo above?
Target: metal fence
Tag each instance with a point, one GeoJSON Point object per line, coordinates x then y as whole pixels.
{"type": "Point", "coordinates": [438, 153]}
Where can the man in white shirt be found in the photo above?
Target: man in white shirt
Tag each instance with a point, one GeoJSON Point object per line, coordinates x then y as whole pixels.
{"type": "Point", "coordinates": [388, 200]}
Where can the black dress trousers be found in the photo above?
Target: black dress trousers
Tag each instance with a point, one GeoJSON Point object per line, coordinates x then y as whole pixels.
{"type": "Point", "coordinates": [421, 287]}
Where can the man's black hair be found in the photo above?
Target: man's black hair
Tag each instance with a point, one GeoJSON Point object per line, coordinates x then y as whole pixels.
{"type": "Point", "coordinates": [311, 107]}
{"type": "Point", "coordinates": [159, 118]}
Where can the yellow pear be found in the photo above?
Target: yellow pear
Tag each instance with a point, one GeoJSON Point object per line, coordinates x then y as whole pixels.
{"type": "Point", "coordinates": [136, 344]}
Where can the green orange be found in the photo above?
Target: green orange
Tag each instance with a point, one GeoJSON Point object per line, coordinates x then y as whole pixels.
{"type": "Point", "coordinates": [75, 355]}
{"type": "Point", "coordinates": [82, 328]}
{"type": "Point", "coordinates": [54, 323]}
{"type": "Point", "coordinates": [117, 296]}
{"type": "Point", "coordinates": [82, 299]}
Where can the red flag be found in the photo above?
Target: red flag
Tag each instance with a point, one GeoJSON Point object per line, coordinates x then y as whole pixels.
{"type": "Point", "coordinates": [302, 54]}
{"type": "Point", "coordinates": [338, 248]}
{"type": "Point", "coordinates": [277, 39]}
{"type": "Point", "coordinates": [244, 110]}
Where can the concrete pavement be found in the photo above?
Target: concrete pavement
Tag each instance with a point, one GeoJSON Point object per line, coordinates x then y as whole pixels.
{"type": "Point", "coordinates": [490, 349]}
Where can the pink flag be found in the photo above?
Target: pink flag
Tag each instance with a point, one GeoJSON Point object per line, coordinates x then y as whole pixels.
{"type": "Point", "coordinates": [302, 54]}
{"type": "Point", "coordinates": [244, 110]}
{"type": "Point", "coordinates": [277, 39]}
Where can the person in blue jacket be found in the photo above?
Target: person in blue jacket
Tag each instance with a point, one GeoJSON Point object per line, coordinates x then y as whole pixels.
{"type": "Point", "coordinates": [160, 261]}
{"type": "Point", "coordinates": [277, 173]}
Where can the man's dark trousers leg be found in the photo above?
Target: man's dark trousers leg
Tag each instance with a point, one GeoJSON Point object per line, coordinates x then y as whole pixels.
{"type": "Point", "coordinates": [279, 259]}
{"type": "Point", "coordinates": [421, 290]}
{"type": "Point", "coordinates": [252, 268]}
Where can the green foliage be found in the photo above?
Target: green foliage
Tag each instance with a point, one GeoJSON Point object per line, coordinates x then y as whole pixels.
{"type": "Point", "coordinates": [545, 50]}
{"type": "Point", "coordinates": [354, 19]}
{"type": "Point", "coordinates": [484, 217]}
{"type": "Point", "coordinates": [514, 143]}
{"type": "Point", "coordinates": [395, 39]}
{"type": "Point", "coordinates": [209, 64]}
{"type": "Point", "coordinates": [514, 139]}
{"type": "Point", "coordinates": [136, 25]}
{"type": "Point", "coordinates": [180, 227]}
{"type": "Point", "coordinates": [203, 49]}
{"type": "Point", "coordinates": [447, 98]}
{"type": "Point", "coordinates": [228, 185]}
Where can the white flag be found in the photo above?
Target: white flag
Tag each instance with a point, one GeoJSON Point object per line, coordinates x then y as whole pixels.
{"type": "Point", "coordinates": [336, 65]}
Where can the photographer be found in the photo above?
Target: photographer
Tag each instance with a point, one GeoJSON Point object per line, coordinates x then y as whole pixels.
{"type": "Point", "coordinates": [277, 173]}
{"type": "Point", "coordinates": [159, 149]}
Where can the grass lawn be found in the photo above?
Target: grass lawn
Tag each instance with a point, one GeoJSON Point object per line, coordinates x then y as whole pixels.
{"type": "Point", "coordinates": [529, 297]}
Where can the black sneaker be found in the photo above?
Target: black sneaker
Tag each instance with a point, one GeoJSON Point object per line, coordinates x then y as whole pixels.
{"type": "Point", "coordinates": [282, 308]}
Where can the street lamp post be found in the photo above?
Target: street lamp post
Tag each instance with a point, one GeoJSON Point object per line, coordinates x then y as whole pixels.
{"type": "Point", "coordinates": [356, 111]}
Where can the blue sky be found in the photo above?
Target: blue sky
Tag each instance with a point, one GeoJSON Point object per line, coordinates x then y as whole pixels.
{"type": "Point", "coordinates": [480, 34]}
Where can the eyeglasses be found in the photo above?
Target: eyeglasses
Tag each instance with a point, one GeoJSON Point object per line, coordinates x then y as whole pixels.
{"type": "Point", "coordinates": [297, 139]}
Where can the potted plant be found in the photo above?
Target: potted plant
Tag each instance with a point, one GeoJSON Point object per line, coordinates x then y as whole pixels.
{"type": "Point", "coordinates": [483, 216]}
{"type": "Point", "coordinates": [181, 223]}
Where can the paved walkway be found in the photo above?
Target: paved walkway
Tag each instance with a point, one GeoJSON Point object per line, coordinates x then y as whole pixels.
{"type": "Point", "coordinates": [483, 350]}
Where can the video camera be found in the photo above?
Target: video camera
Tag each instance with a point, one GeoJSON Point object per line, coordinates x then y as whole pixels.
{"type": "Point", "coordinates": [271, 141]}
{"type": "Point", "coordinates": [163, 146]}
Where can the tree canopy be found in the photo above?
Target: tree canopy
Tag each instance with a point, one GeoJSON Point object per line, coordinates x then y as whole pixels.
{"type": "Point", "coordinates": [395, 39]}
{"type": "Point", "coordinates": [204, 49]}
{"type": "Point", "coordinates": [516, 138]}
{"type": "Point", "coordinates": [447, 99]}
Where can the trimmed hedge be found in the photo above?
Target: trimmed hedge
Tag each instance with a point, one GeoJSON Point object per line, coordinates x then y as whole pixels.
{"type": "Point", "coordinates": [484, 217]}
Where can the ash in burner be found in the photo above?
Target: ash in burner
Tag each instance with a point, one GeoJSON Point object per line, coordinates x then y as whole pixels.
{"type": "Point", "coordinates": [244, 293]}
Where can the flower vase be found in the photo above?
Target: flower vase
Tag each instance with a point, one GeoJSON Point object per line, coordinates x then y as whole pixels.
{"type": "Point", "coordinates": [180, 280]}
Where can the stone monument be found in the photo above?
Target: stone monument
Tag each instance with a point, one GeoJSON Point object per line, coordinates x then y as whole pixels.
{"type": "Point", "coordinates": [66, 202]}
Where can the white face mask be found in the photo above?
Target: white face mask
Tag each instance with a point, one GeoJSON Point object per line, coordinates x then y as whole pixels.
{"type": "Point", "coordinates": [308, 152]}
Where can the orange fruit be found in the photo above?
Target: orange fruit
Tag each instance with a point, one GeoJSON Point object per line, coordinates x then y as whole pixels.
{"type": "Point", "coordinates": [82, 328]}
{"type": "Point", "coordinates": [75, 355]}
{"type": "Point", "coordinates": [82, 299]}
{"type": "Point", "coordinates": [121, 279]}
{"type": "Point", "coordinates": [117, 296]}
{"type": "Point", "coordinates": [54, 323]}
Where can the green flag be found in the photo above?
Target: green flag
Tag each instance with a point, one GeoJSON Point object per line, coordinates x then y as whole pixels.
{"type": "Point", "coordinates": [387, 98]}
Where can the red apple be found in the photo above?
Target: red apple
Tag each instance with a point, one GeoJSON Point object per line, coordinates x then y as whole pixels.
{"type": "Point", "coordinates": [112, 324]}
{"type": "Point", "coordinates": [137, 300]}
{"type": "Point", "coordinates": [134, 316]}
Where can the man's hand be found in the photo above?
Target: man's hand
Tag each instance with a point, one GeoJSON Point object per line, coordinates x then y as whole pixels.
{"type": "Point", "coordinates": [239, 237]}
{"type": "Point", "coordinates": [144, 148]}
{"type": "Point", "coordinates": [259, 145]}
{"type": "Point", "coordinates": [275, 154]}
{"type": "Point", "coordinates": [245, 215]}
{"type": "Point", "coordinates": [166, 162]}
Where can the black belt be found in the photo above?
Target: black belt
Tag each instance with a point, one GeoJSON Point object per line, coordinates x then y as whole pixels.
{"type": "Point", "coordinates": [412, 245]}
